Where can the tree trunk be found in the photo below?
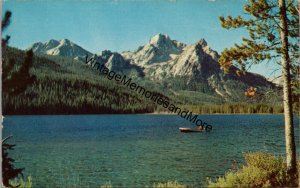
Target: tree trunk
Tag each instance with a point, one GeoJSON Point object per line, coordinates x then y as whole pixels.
{"type": "Point", "coordinates": [287, 96]}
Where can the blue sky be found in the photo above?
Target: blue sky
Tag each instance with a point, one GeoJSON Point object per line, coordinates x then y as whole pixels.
{"type": "Point", "coordinates": [120, 25]}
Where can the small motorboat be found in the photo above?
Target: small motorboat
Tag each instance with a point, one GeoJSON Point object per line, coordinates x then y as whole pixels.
{"type": "Point", "coordinates": [187, 130]}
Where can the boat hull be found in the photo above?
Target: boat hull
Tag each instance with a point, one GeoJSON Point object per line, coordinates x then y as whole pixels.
{"type": "Point", "coordinates": [188, 130]}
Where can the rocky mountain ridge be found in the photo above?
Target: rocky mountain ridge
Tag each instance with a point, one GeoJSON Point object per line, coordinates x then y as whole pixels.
{"type": "Point", "coordinates": [64, 48]}
{"type": "Point", "coordinates": [168, 62]}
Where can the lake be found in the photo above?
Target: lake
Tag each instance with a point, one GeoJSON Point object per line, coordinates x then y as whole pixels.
{"type": "Point", "coordinates": [136, 150]}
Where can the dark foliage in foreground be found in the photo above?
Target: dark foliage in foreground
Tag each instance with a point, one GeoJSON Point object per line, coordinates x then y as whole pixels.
{"type": "Point", "coordinates": [261, 170]}
{"type": "Point", "coordinates": [9, 172]}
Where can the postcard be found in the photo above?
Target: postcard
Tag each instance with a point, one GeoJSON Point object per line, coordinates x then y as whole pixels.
{"type": "Point", "coordinates": [158, 93]}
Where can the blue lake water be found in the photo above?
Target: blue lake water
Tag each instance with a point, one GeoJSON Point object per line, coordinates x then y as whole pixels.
{"type": "Point", "coordinates": [136, 150]}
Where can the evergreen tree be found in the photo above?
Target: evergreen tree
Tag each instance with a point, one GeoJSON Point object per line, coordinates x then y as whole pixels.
{"type": "Point", "coordinates": [9, 172]}
{"type": "Point", "coordinates": [273, 29]}
{"type": "Point", "coordinates": [16, 82]}
{"type": "Point", "coordinates": [4, 24]}
{"type": "Point", "coordinates": [20, 79]}
{"type": "Point", "coordinates": [13, 83]}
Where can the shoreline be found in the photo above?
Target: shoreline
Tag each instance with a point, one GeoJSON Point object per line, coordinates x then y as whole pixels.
{"type": "Point", "coordinates": [153, 113]}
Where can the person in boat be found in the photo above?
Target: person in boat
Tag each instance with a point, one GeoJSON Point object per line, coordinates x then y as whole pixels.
{"type": "Point", "coordinates": [200, 127]}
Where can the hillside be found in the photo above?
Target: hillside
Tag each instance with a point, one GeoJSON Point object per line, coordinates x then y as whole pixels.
{"type": "Point", "coordinates": [69, 87]}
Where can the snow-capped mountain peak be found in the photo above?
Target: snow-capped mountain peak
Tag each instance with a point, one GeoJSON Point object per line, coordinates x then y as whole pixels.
{"type": "Point", "coordinates": [62, 47]}
{"type": "Point", "coordinates": [160, 48]}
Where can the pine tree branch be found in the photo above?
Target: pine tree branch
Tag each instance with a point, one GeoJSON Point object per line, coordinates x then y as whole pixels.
{"type": "Point", "coordinates": [273, 18]}
{"type": "Point", "coordinates": [6, 20]}
{"type": "Point", "coordinates": [6, 138]}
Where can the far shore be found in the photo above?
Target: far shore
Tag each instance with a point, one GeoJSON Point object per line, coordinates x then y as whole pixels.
{"type": "Point", "coordinates": [166, 113]}
{"type": "Point", "coordinates": [153, 113]}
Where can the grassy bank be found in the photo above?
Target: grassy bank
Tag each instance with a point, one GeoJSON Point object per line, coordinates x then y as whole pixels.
{"type": "Point", "coordinates": [260, 170]}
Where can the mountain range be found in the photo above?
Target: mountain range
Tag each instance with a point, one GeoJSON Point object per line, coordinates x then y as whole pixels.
{"type": "Point", "coordinates": [174, 65]}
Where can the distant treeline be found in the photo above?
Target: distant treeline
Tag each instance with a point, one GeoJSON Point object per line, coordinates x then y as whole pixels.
{"type": "Point", "coordinates": [235, 109]}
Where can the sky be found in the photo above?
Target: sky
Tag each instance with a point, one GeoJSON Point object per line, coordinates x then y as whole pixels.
{"type": "Point", "coordinates": [122, 25]}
